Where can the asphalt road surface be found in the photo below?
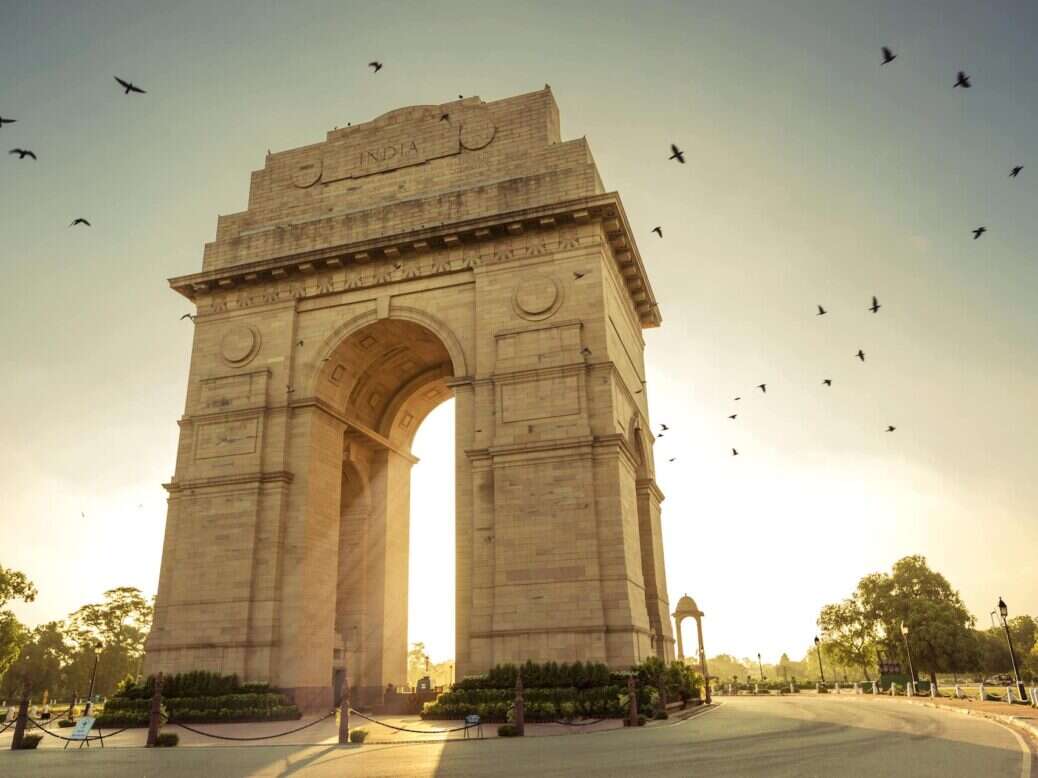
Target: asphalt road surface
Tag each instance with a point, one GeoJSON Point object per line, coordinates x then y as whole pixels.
{"type": "Point", "coordinates": [745, 736]}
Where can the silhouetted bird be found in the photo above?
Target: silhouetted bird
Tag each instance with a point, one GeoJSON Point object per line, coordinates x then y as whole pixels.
{"type": "Point", "coordinates": [827, 381]}
{"type": "Point", "coordinates": [445, 117]}
{"type": "Point", "coordinates": [736, 398]}
{"type": "Point", "coordinates": [888, 56]}
{"type": "Point", "coordinates": [578, 275]}
{"type": "Point", "coordinates": [22, 153]}
{"type": "Point", "coordinates": [80, 221]}
{"type": "Point", "coordinates": [762, 387]}
{"type": "Point", "coordinates": [860, 355]}
{"type": "Point", "coordinates": [733, 416]}
{"type": "Point", "coordinates": [735, 453]}
{"type": "Point", "coordinates": [672, 459]}
{"type": "Point", "coordinates": [299, 343]}
{"type": "Point", "coordinates": [664, 427]}
{"type": "Point", "coordinates": [190, 316]}
{"type": "Point", "coordinates": [658, 231]}
{"type": "Point", "coordinates": [660, 435]}
{"type": "Point", "coordinates": [128, 87]}
{"type": "Point", "coordinates": [1012, 173]}
{"type": "Point", "coordinates": [676, 153]}
{"type": "Point", "coordinates": [376, 65]}
{"type": "Point", "coordinates": [821, 311]}
{"type": "Point", "coordinates": [962, 80]}
{"type": "Point", "coordinates": [875, 305]}
{"type": "Point", "coordinates": [979, 231]}
{"type": "Point", "coordinates": [890, 428]}
{"type": "Point", "coordinates": [637, 391]}
{"type": "Point", "coordinates": [4, 121]}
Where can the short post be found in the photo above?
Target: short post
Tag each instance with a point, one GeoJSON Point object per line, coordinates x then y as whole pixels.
{"type": "Point", "coordinates": [344, 711]}
{"type": "Point", "coordinates": [1009, 694]}
{"type": "Point", "coordinates": [958, 692]}
{"type": "Point", "coordinates": [933, 691]}
{"type": "Point", "coordinates": [520, 705]}
{"type": "Point", "coordinates": [632, 704]}
{"type": "Point", "coordinates": [155, 713]}
{"type": "Point", "coordinates": [792, 688]}
{"type": "Point", "coordinates": [19, 727]}
{"type": "Point", "coordinates": [893, 689]}
{"type": "Point", "coordinates": [836, 687]}
{"type": "Point", "coordinates": [756, 689]}
{"type": "Point", "coordinates": [875, 688]}
{"type": "Point", "coordinates": [983, 692]}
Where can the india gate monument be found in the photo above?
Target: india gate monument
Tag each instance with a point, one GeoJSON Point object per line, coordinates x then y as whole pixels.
{"type": "Point", "coordinates": [459, 250]}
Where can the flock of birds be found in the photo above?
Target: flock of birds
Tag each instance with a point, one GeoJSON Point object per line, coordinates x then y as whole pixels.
{"type": "Point", "coordinates": [962, 80]}
{"type": "Point", "coordinates": [127, 86]}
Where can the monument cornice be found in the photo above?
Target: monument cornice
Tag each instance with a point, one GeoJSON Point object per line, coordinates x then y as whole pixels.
{"type": "Point", "coordinates": [606, 209]}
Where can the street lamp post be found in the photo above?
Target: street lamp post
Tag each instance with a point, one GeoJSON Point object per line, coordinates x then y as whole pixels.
{"type": "Point", "coordinates": [1003, 611]}
{"type": "Point", "coordinates": [93, 676]}
{"type": "Point", "coordinates": [760, 665]}
{"type": "Point", "coordinates": [818, 651]}
{"type": "Point", "coordinates": [908, 651]}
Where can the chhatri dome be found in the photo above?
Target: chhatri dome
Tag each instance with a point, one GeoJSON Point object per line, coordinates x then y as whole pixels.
{"type": "Point", "coordinates": [687, 607]}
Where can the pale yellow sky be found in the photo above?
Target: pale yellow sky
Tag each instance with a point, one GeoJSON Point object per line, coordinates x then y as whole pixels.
{"type": "Point", "coordinates": [813, 176]}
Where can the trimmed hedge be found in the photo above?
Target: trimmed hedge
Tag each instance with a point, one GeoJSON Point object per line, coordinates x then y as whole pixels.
{"type": "Point", "coordinates": [492, 705]}
{"type": "Point", "coordinates": [549, 675]}
{"type": "Point", "coordinates": [199, 683]}
{"type": "Point", "coordinates": [256, 706]}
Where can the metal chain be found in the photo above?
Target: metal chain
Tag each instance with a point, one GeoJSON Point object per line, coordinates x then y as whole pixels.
{"type": "Point", "coordinates": [264, 737]}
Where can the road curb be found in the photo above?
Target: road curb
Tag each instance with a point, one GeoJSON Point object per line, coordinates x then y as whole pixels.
{"type": "Point", "coordinates": [1018, 721]}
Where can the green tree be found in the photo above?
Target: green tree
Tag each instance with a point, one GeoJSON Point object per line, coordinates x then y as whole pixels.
{"type": "Point", "coordinates": [41, 664]}
{"type": "Point", "coordinates": [940, 631]}
{"type": "Point", "coordinates": [114, 631]}
{"type": "Point", "coordinates": [14, 585]}
{"type": "Point", "coordinates": [850, 633]}
{"type": "Point", "coordinates": [417, 661]}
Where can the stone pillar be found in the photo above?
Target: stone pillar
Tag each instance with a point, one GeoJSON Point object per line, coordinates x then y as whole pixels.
{"type": "Point", "coordinates": [677, 636]}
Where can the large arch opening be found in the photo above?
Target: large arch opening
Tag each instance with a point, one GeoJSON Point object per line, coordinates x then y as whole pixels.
{"type": "Point", "coordinates": [383, 380]}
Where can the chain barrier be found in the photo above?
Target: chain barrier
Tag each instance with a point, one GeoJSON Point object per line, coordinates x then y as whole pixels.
{"type": "Point", "coordinates": [415, 731]}
{"type": "Point", "coordinates": [75, 740]}
{"type": "Point", "coordinates": [9, 725]}
{"type": "Point", "coordinates": [241, 739]}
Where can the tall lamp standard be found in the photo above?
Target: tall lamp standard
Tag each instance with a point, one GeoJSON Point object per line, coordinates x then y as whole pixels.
{"type": "Point", "coordinates": [1003, 611]}
{"type": "Point", "coordinates": [818, 651]}
{"type": "Point", "coordinates": [760, 665]}
{"type": "Point", "coordinates": [93, 676]}
{"type": "Point", "coordinates": [911, 668]}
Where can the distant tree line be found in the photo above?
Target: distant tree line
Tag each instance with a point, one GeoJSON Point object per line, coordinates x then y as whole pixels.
{"type": "Point", "coordinates": [865, 629]}
{"type": "Point", "coordinates": [59, 656]}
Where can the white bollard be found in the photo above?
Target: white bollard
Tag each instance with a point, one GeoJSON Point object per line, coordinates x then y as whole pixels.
{"type": "Point", "coordinates": [933, 691]}
{"type": "Point", "coordinates": [875, 688]}
{"type": "Point", "coordinates": [983, 692]}
{"type": "Point", "coordinates": [756, 689]}
{"type": "Point", "coordinates": [1034, 696]}
{"type": "Point", "coordinates": [836, 688]}
{"type": "Point", "coordinates": [792, 690]}
{"type": "Point", "coordinates": [1009, 694]}
{"type": "Point", "coordinates": [893, 689]}
{"type": "Point", "coordinates": [958, 692]}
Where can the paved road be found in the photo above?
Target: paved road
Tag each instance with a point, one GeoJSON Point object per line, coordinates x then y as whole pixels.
{"type": "Point", "coordinates": [745, 736]}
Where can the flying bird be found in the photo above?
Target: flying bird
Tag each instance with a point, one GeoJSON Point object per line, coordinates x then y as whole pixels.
{"type": "Point", "coordinates": [733, 416]}
{"type": "Point", "coordinates": [860, 355]}
{"type": "Point", "coordinates": [821, 311]}
{"type": "Point", "coordinates": [875, 305]}
{"type": "Point", "coordinates": [736, 398]}
{"type": "Point", "coordinates": [660, 435]}
{"type": "Point", "coordinates": [827, 381]}
{"type": "Point", "coordinates": [979, 231]}
{"type": "Point", "coordinates": [762, 387]}
{"type": "Point", "coordinates": [664, 427]}
{"type": "Point", "coordinates": [376, 65]}
{"type": "Point", "coordinates": [672, 459]}
{"type": "Point", "coordinates": [888, 56]}
{"type": "Point", "coordinates": [78, 221]}
{"type": "Point", "coordinates": [22, 153]}
{"type": "Point", "coordinates": [128, 87]}
{"type": "Point", "coordinates": [190, 316]}
{"type": "Point", "coordinates": [1012, 173]}
{"type": "Point", "coordinates": [962, 80]}
{"type": "Point", "coordinates": [4, 121]}
{"type": "Point", "coordinates": [445, 117]}
{"type": "Point", "coordinates": [637, 391]}
{"type": "Point", "coordinates": [735, 453]}
{"type": "Point", "coordinates": [676, 153]}
{"type": "Point", "coordinates": [658, 231]}
{"type": "Point", "coordinates": [577, 276]}
{"type": "Point", "coordinates": [891, 428]}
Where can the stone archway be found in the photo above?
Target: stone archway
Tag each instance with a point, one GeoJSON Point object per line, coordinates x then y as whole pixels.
{"type": "Point", "coordinates": [396, 264]}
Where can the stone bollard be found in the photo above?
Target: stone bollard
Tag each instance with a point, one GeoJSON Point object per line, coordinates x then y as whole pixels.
{"type": "Point", "coordinates": [958, 692]}
{"type": "Point", "coordinates": [1009, 694]}
{"type": "Point", "coordinates": [792, 688]}
{"type": "Point", "coordinates": [933, 691]}
{"type": "Point", "coordinates": [983, 692]}
{"type": "Point", "coordinates": [756, 689]}
{"type": "Point", "coordinates": [19, 728]}
{"type": "Point", "coordinates": [632, 703]}
{"type": "Point", "coordinates": [344, 711]}
{"type": "Point", "coordinates": [836, 688]}
{"type": "Point", "coordinates": [1034, 696]}
{"type": "Point", "coordinates": [875, 688]}
{"type": "Point", "coordinates": [520, 705]}
{"type": "Point", "coordinates": [155, 713]}
{"type": "Point", "coordinates": [893, 689]}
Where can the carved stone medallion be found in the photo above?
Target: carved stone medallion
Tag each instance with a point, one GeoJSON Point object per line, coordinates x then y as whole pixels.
{"type": "Point", "coordinates": [536, 297]}
{"type": "Point", "coordinates": [240, 345]}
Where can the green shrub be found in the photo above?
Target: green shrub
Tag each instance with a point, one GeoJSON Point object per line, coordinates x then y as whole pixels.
{"type": "Point", "coordinates": [30, 741]}
{"type": "Point", "coordinates": [661, 715]}
{"type": "Point", "coordinates": [358, 735]}
{"type": "Point", "coordinates": [568, 710]}
{"type": "Point", "coordinates": [166, 740]}
{"type": "Point", "coordinates": [641, 721]}
{"type": "Point", "coordinates": [507, 730]}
